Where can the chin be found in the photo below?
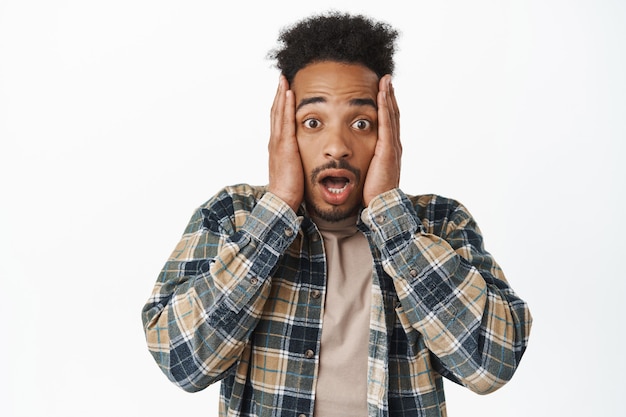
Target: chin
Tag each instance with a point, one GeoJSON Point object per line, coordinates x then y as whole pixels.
{"type": "Point", "coordinates": [333, 213]}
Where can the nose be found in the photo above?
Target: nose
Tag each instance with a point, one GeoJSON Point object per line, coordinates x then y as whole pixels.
{"type": "Point", "coordinates": [337, 144]}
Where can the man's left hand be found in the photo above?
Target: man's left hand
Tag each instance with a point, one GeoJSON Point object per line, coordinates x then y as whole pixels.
{"type": "Point", "coordinates": [384, 170]}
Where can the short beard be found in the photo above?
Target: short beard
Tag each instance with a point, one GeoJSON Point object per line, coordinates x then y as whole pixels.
{"type": "Point", "coordinates": [341, 164]}
{"type": "Point", "coordinates": [334, 214]}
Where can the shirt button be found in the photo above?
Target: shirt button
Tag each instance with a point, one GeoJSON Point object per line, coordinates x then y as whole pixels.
{"type": "Point", "coordinates": [254, 280]}
{"type": "Point", "coordinates": [413, 272]}
{"type": "Point", "coordinates": [316, 294]}
{"type": "Point", "coordinates": [309, 354]}
{"type": "Point", "coordinates": [289, 232]}
{"type": "Point", "coordinates": [380, 219]}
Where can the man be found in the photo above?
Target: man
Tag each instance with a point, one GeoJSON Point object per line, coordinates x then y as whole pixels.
{"type": "Point", "coordinates": [331, 292]}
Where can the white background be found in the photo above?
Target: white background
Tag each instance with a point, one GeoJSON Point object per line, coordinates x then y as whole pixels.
{"type": "Point", "coordinates": [119, 117]}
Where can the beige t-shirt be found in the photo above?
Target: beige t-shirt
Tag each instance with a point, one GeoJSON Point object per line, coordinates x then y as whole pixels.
{"type": "Point", "coordinates": [342, 381]}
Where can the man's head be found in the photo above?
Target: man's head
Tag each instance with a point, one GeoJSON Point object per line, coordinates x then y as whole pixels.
{"type": "Point", "coordinates": [333, 64]}
{"type": "Point", "coordinates": [338, 37]}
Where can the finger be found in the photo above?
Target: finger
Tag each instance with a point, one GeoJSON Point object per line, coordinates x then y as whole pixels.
{"type": "Point", "coordinates": [391, 106]}
{"type": "Point", "coordinates": [288, 129]}
{"type": "Point", "coordinates": [395, 113]}
{"type": "Point", "coordinates": [277, 109]}
{"type": "Point", "coordinates": [386, 128]}
{"type": "Point", "coordinates": [393, 101]}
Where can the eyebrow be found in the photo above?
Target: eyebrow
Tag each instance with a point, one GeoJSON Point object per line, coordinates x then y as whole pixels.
{"type": "Point", "coordinates": [354, 102]}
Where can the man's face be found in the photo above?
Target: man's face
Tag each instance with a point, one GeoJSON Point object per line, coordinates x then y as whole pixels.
{"type": "Point", "coordinates": [337, 130]}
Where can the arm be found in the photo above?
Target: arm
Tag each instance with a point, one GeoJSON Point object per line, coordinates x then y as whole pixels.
{"type": "Point", "coordinates": [210, 293]}
{"type": "Point", "coordinates": [451, 290]}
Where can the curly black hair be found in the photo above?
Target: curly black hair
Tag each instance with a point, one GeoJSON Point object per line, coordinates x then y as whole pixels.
{"type": "Point", "coordinates": [339, 37]}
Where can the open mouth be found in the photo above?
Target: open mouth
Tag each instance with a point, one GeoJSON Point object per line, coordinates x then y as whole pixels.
{"type": "Point", "coordinates": [335, 182]}
{"type": "Point", "coordinates": [335, 185]}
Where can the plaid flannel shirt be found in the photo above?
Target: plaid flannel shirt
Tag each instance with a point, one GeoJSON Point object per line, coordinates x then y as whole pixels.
{"type": "Point", "coordinates": [241, 300]}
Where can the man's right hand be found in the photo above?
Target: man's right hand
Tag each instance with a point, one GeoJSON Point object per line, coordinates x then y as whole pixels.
{"type": "Point", "coordinates": [286, 174]}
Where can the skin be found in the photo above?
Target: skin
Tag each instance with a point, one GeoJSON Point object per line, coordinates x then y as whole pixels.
{"type": "Point", "coordinates": [334, 139]}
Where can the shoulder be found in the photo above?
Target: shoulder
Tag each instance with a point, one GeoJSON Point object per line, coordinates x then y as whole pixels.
{"type": "Point", "coordinates": [235, 197]}
{"type": "Point", "coordinates": [438, 213]}
{"type": "Point", "coordinates": [227, 205]}
{"type": "Point", "coordinates": [434, 205]}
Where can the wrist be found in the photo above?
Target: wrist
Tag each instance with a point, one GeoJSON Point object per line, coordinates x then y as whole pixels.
{"type": "Point", "coordinates": [288, 198]}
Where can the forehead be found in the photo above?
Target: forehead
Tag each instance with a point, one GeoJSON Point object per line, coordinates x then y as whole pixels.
{"type": "Point", "coordinates": [335, 81]}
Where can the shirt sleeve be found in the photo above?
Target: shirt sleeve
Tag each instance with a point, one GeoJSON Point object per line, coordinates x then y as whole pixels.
{"type": "Point", "coordinates": [451, 291]}
{"type": "Point", "coordinates": [209, 295]}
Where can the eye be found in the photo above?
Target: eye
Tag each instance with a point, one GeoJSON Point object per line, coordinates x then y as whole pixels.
{"type": "Point", "coordinates": [362, 124]}
{"type": "Point", "coordinates": [312, 123]}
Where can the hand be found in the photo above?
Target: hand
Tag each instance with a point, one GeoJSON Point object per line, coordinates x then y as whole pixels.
{"type": "Point", "coordinates": [286, 174]}
{"type": "Point", "coordinates": [384, 170]}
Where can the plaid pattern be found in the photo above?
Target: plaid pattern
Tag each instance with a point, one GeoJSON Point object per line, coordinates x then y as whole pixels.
{"type": "Point", "coordinates": [234, 303]}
